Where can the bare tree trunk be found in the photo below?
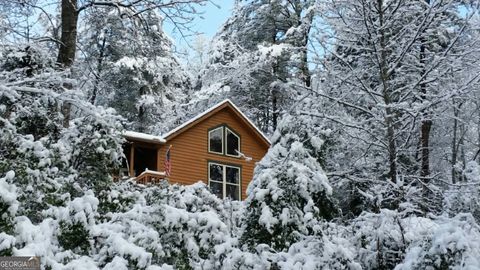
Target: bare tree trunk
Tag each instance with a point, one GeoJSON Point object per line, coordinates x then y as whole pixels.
{"type": "Point", "coordinates": [69, 19]}
{"type": "Point", "coordinates": [461, 148]}
{"type": "Point", "coordinates": [430, 200]}
{"type": "Point", "coordinates": [392, 146]}
{"type": "Point", "coordinates": [478, 131]}
{"type": "Point", "coordinates": [274, 110]}
{"type": "Point", "coordinates": [66, 52]}
{"type": "Point", "coordinates": [99, 70]}
{"type": "Point", "coordinates": [426, 123]}
{"type": "Point", "coordinates": [305, 72]}
{"type": "Point", "coordinates": [454, 143]}
{"type": "Point", "coordinates": [307, 78]}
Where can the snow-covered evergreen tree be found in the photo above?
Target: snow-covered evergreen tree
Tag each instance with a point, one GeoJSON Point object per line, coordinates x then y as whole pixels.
{"type": "Point", "coordinates": [290, 192]}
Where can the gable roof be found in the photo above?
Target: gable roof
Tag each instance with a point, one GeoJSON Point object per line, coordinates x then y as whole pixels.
{"type": "Point", "coordinates": [204, 115]}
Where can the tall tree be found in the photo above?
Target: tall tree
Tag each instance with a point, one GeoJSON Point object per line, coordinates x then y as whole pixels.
{"type": "Point", "coordinates": [70, 10]}
{"type": "Point", "coordinates": [290, 192]}
{"type": "Point", "coordinates": [132, 68]}
{"type": "Point", "coordinates": [384, 68]}
{"type": "Point", "coordinates": [254, 56]}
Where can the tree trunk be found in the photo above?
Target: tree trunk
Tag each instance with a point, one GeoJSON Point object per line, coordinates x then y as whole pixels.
{"type": "Point", "coordinates": [478, 131]}
{"type": "Point", "coordinates": [454, 143]}
{"type": "Point", "coordinates": [274, 110]}
{"type": "Point", "coordinates": [305, 72]}
{"type": "Point", "coordinates": [93, 97]}
{"type": "Point", "coordinates": [461, 148]}
{"type": "Point", "coordinates": [426, 123]}
{"type": "Point", "coordinates": [66, 52]}
{"type": "Point", "coordinates": [389, 114]}
{"type": "Point", "coordinates": [69, 18]}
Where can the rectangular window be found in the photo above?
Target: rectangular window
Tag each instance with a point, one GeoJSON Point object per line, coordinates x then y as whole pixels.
{"type": "Point", "coordinates": [215, 140]}
{"type": "Point", "coordinates": [224, 180]}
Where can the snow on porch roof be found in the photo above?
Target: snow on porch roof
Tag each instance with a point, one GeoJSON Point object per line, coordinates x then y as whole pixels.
{"type": "Point", "coordinates": [166, 135]}
{"type": "Point", "coordinates": [138, 136]}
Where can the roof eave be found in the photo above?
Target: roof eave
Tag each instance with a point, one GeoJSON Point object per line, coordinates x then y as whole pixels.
{"type": "Point", "coordinates": [143, 137]}
{"type": "Point", "coordinates": [226, 102]}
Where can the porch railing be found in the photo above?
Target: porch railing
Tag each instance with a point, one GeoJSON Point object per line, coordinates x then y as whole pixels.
{"type": "Point", "coordinates": [150, 177]}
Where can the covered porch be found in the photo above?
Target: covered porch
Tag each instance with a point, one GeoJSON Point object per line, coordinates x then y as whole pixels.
{"type": "Point", "coordinates": [142, 158]}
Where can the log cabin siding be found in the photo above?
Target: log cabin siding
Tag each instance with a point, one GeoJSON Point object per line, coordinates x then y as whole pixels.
{"type": "Point", "coordinates": [190, 156]}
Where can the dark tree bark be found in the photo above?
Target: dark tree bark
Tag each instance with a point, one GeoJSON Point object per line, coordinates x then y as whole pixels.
{"type": "Point", "coordinates": [69, 19]}
{"type": "Point", "coordinates": [66, 52]}
{"type": "Point", "coordinates": [274, 110]}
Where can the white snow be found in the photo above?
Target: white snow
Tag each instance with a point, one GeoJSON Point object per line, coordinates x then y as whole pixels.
{"type": "Point", "coordinates": [143, 137]}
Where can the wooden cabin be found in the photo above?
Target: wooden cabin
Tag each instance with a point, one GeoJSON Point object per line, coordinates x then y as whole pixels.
{"type": "Point", "coordinates": [220, 147]}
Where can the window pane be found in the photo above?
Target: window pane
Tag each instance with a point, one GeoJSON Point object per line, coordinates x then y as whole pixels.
{"type": "Point", "coordinates": [232, 143]}
{"type": "Point", "coordinates": [233, 175]}
{"type": "Point", "coordinates": [216, 172]}
{"type": "Point", "coordinates": [233, 192]}
{"type": "Point", "coordinates": [216, 140]}
{"type": "Point", "coordinates": [217, 189]}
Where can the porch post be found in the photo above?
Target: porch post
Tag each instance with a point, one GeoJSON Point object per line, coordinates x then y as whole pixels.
{"type": "Point", "coordinates": [132, 160]}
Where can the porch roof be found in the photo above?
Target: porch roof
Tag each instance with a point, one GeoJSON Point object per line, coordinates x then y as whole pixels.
{"type": "Point", "coordinates": [143, 137]}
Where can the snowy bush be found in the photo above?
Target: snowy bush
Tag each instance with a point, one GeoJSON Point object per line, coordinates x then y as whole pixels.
{"type": "Point", "coordinates": [94, 142]}
{"type": "Point", "coordinates": [464, 197]}
{"type": "Point", "coordinates": [30, 130]}
{"type": "Point", "coordinates": [52, 162]}
{"type": "Point", "coordinates": [8, 209]}
{"type": "Point", "coordinates": [380, 239]}
{"type": "Point", "coordinates": [451, 244]}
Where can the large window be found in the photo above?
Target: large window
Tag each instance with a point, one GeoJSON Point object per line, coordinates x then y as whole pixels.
{"type": "Point", "coordinates": [224, 180]}
{"type": "Point", "coordinates": [223, 140]}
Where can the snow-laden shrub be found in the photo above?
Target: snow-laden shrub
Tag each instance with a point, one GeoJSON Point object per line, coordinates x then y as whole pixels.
{"type": "Point", "coordinates": [50, 161]}
{"type": "Point", "coordinates": [8, 210]}
{"type": "Point", "coordinates": [289, 192]}
{"type": "Point", "coordinates": [26, 60]}
{"type": "Point", "coordinates": [454, 243]}
{"type": "Point", "coordinates": [330, 251]}
{"type": "Point", "coordinates": [75, 219]}
{"type": "Point", "coordinates": [190, 224]}
{"type": "Point", "coordinates": [29, 130]}
{"type": "Point", "coordinates": [464, 197]}
{"type": "Point", "coordinates": [379, 238]}
{"type": "Point", "coordinates": [317, 253]}
{"type": "Point", "coordinates": [94, 142]}
{"type": "Point", "coordinates": [118, 198]}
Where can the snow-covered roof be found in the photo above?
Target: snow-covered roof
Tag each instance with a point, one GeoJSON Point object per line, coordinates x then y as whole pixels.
{"type": "Point", "coordinates": [143, 137]}
{"type": "Point", "coordinates": [166, 135]}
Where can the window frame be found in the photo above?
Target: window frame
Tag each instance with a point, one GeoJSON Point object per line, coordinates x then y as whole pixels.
{"type": "Point", "coordinates": [227, 129]}
{"type": "Point", "coordinates": [224, 177]}
{"type": "Point", "coordinates": [223, 140]}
